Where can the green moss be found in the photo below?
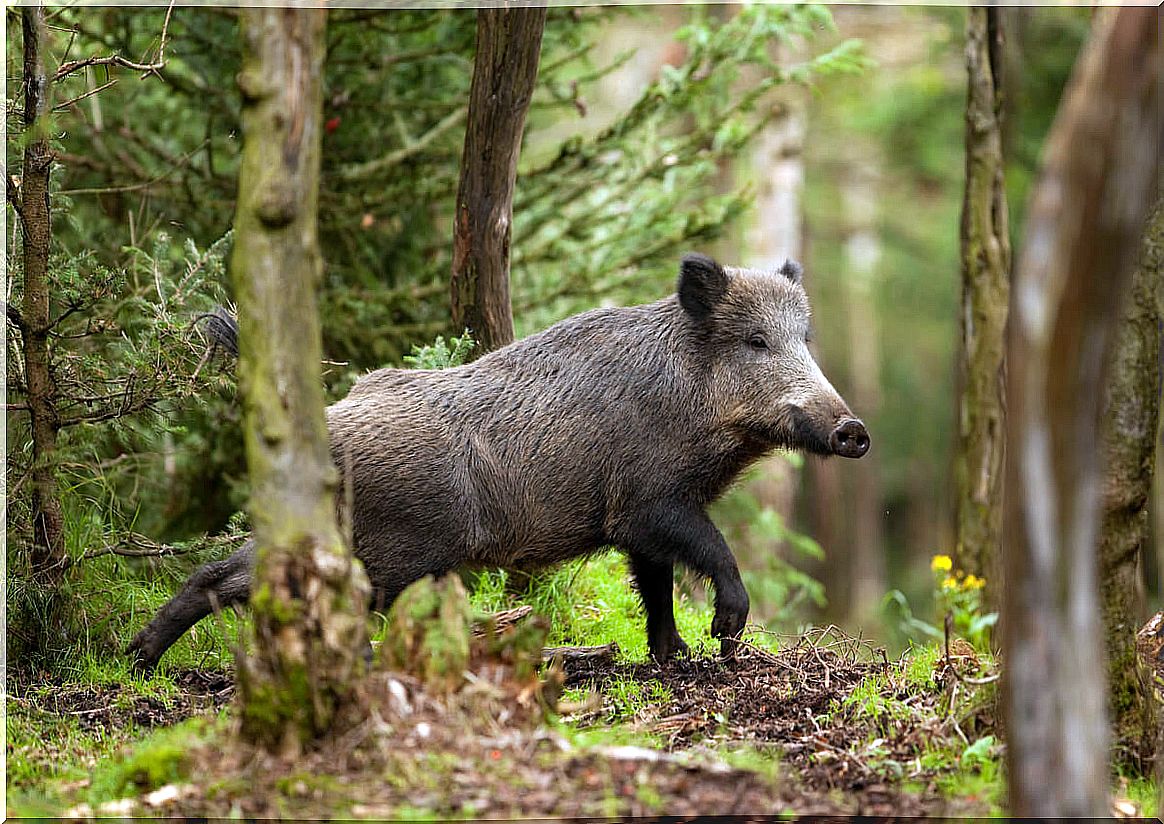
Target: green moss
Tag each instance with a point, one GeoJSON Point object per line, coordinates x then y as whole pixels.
{"type": "Point", "coordinates": [310, 785]}
{"type": "Point", "coordinates": [268, 708]}
{"type": "Point", "coordinates": [279, 610]}
{"type": "Point", "coordinates": [612, 735]}
{"type": "Point", "coordinates": [1144, 793]}
{"type": "Point", "coordinates": [160, 759]}
{"type": "Point", "coordinates": [430, 626]}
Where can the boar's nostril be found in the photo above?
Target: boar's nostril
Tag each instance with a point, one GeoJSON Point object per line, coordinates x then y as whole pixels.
{"type": "Point", "coordinates": [849, 439]}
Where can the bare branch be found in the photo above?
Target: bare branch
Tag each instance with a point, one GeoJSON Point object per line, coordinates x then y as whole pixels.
{"type": "Point", "coordinates": [159, 63]}
{"type": "Point", "coordinates": [62, 106]}
{"type": "Point", "coordinates": [73, 309]}
{"type": "Point", "coordinates": [110, 60]}
{"type": "Point", "coordinates": [136, 545]}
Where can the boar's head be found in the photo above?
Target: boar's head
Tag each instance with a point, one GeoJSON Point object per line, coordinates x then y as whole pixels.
{"type": "Point", "coordinates": [752, 333]}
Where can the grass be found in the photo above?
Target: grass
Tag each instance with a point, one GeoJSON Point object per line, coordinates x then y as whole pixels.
{"type": "Point", "coordinates": [85, 626]}
{"type": "Point", "coordinates": [103, 602]}
{"type": "Point", "coordinates": [1142, 792]}
{"type": "Point", "coordinates": [590, 602]}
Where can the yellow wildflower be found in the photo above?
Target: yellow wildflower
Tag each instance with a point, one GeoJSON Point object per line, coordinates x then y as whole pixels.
{"type": "Point", "coordinates": [949, 583]}
{"type": "Point", "coordinates": [973, 582]}
{"type": "Point", "coordinates": [941, 563]}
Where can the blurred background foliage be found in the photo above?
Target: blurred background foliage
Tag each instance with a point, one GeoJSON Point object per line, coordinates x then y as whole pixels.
{"type": "Point", "coordinates": [632, 156]}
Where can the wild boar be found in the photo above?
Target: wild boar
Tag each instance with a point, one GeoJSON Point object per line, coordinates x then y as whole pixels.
{"type": "Point", "coordinates": [614, 427]}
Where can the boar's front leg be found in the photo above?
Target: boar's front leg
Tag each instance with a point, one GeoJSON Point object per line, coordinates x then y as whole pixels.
{"type": "Point", "coordinates": [656, 582]}
{"type": "Point", "coordinates": [217, 584]}
{"type": "Point", "coordinates": [679, 532]}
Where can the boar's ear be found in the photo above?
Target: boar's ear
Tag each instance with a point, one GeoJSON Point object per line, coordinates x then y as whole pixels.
{"type": "Point", "coordinates": [792, 270]}
{"type": "Point", "coordinates": [702, 283]}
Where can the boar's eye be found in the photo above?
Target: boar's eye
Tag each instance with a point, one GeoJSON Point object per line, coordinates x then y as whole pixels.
{"type": "Point", "coordinates": [758, 343]}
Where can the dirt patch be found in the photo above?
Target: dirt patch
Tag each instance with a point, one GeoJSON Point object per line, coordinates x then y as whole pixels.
{"type": "Point", "coordinates": [115, 705]}
{"type": "Point", "coordinates": [471, 755]}
{"type": "Point", "coordinates": [795, 701]}
{"type": "Point", "coordinates": [754, 696]}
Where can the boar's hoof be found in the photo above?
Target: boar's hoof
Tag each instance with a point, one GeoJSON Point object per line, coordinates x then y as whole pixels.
{"type": "Point", "coordinates": [728, 623]}
{"type": "Point", "coordinates": [728, 647]}
{"type": "Point", "coordinates": [667, 647]}
{"type": "Point", "coordinates": [141, 659]}
{"type": "Point", "coordinates": [849, 439]}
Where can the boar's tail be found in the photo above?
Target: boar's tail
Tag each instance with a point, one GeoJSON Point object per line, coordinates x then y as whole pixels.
{"type": "Point", "coordinates": [222, 332]}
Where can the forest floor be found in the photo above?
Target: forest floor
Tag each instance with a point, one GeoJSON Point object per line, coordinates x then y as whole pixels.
{"type": "Point", "coordinates": [815, 724]}
{"type": "Point", "coordinates": [811, 723]}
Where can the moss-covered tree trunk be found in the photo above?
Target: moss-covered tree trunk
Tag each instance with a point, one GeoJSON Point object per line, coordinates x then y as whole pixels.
{"type": "Point", "coordinates": [1133, 408]}
{"type": "Point", "coordinates": [1083, 230]}
{"type": "Point", "coordinates": [309, 595]}
{"type": "Point", "coordinates": [48, 559]}
{"type": "Point", "coordinates": [985, 295]}
{"type": "Point", "coordinates": [504, 70]}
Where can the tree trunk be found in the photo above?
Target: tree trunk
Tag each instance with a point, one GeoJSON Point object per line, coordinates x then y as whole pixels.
{"type": "Point", "coordinates": [867, 572]}
{"type": "Point", "coordinates": [504, 70]}
{"type": "Point", "coordinates": [1084, 223]}
{"type": "Point", "coordinates": [1129, 459]}
{"type": "Point", "coordinates": [308, 595]}
{"type": "Point", "coordinates": [776, 235]}
{"type": "Point", "coordinates": [985, 295]}
{"type": "Point", "coordinates": [48, 546]}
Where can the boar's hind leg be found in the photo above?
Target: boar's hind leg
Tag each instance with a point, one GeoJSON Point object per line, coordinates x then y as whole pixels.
{"type": "Point", "coordinates": [677, 532]}
{"type": "Point", "coordinates": [228, 581]}
{"type": "Point", "coordinates": [656, 582]}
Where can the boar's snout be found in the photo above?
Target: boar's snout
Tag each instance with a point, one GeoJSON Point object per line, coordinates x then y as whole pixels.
{"type": "Point", "coordinates": [849, 439]}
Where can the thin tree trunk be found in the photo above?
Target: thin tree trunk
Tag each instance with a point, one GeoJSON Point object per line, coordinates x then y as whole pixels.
{"type": "Point", "coordinates": [48, 546]}
{"type": "Point", "coordinates": [776, 235]}
{"type": "Point", "coordinates": [985, 295]}
{"type": "Point", "coordinates": [867, 572]}
{"type": "Point", "coordinates": [1083, 229]}
{"type": "Point", "coordinates": [504, 70]}
{"type": "Point", "coordinates": [830, 525]}
{"type": "Point", "coordinates": [308, 596]}
{"type": "Point", "coordinates": [1129, 459]}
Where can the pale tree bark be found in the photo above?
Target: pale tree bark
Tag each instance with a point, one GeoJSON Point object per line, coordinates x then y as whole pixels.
{"type": "Point", "coordinates": [1086, 217]}
{"type": "Point", "coordinates": [776, 235]}
{"type": "Point", "coordinates": [1133, 409]}
{"type": "Point", "coordinates": [504, 70]}
{"type": "Point", "coordinates": [985, 296]}
{"type": "Point", "coordinates": [48, 559]}
{"type": "Point", "coordinates": [867, 572]}
{"type": "Point", "coordinates": [309, 596]}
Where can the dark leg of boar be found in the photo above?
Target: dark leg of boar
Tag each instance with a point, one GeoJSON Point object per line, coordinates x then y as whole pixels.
{"type": "Point", "coordinates": [677, 531]}
{"type": "Point", "coordinates": [228, 580]}
{"type": "Point", "coordinates": [656, 583]}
